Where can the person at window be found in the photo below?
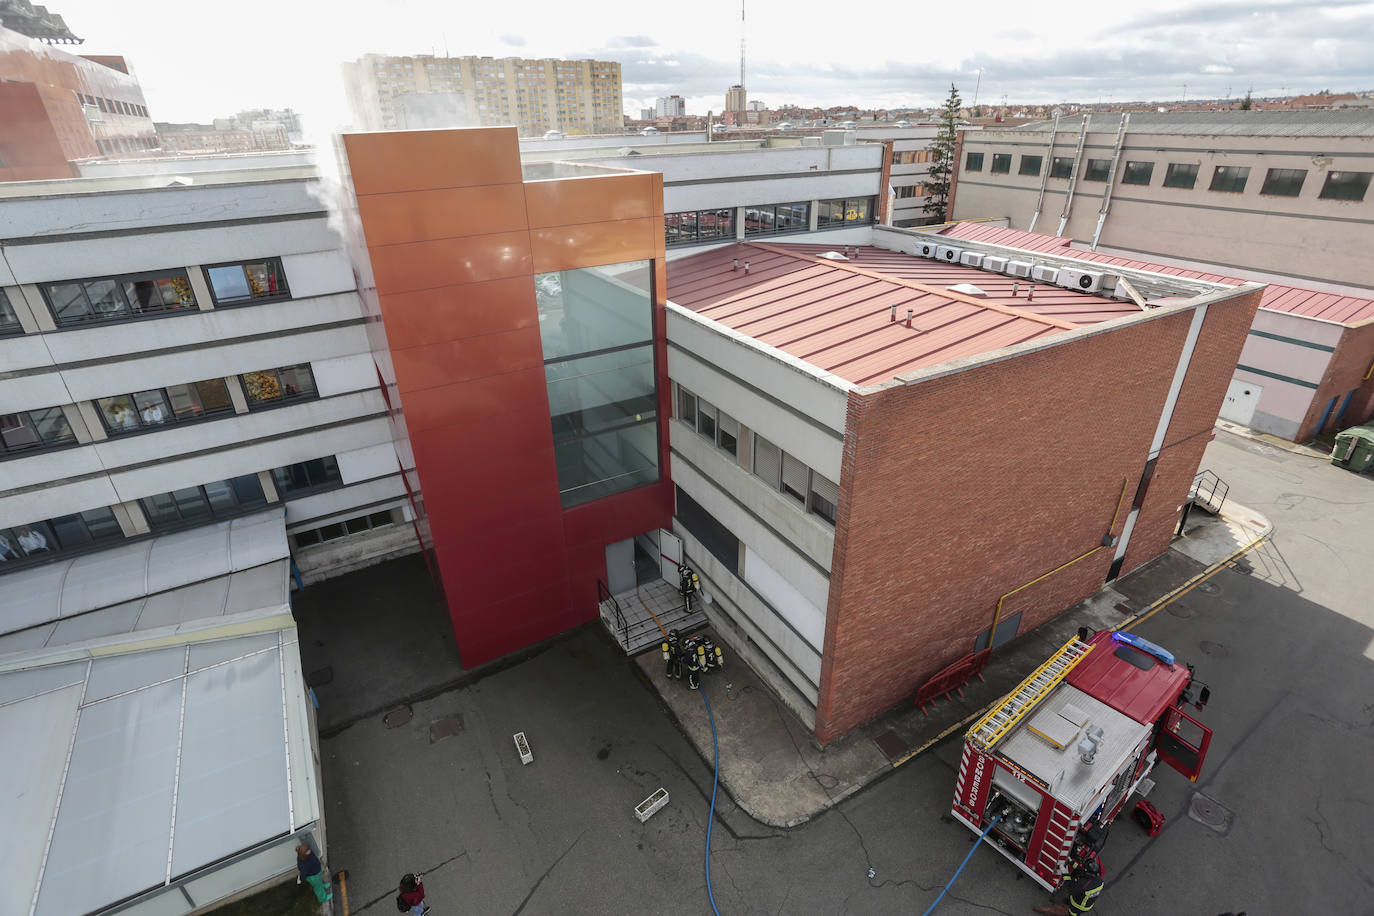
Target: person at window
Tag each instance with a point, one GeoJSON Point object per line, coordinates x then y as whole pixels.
{"type": "Point", "coordinates": [152, 414]}
{"type": "Point", "coordinates": [31, 540]}
{"type": "Point", "coordinates": [123, 417]}
{"type": "Point", "coordinates": [7, 551]}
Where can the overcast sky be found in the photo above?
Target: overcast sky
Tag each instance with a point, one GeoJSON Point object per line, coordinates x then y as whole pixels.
{"type": "Point", "coordinates": [198, 61]}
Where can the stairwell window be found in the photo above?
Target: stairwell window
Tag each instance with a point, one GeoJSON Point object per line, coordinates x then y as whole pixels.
{"type": "Point", "coordinates": [1097, 170]}
{"type": "Point", "coordinates": [1229, 178]}
{"type": "Point", "coordinates": [1061, 167]}
{"type": "Point", "coordinates": [1030, 165]}
{"type": "Point", "coordinates": [1345, 185]}
{"type": "Point", "coordinates": [1283, 182]}
{"type": "Point", "coordinates": [1001, 163]}
{"type": "Point", "coordinates": [1180, 175]}
{"type": "Point", "coordinates": [1138, 173]}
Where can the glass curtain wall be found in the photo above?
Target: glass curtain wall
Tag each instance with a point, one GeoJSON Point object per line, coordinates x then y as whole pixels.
{"type": "Point", "coordinates": [596, 327]}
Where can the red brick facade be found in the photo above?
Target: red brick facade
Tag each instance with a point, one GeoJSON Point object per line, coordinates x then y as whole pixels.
{"type": "Point", "coordinates": [1346, 372]}
{"type": "Point", "coordinates": [957, 490]}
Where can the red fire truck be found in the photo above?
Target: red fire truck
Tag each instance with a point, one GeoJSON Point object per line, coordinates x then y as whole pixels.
{"type": "Point", "coordinates": [1058, 757]}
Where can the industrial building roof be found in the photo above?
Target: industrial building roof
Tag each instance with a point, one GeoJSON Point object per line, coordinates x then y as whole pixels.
{"type": "Point", "coordinates": [1278, 297]}
{"type": "Point", "coordinates": [1345, 122]}
{"type": "Point", "coordinates": [835, 310]}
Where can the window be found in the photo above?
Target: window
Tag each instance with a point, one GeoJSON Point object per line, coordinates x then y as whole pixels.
{"type": "Point", "coordinates": [1229, 178]}
{"type": "Point", "coordinates": [1030, 165]}
{"type": "Point", "coordinates": [96, 526]}
{"type": "Point", "coordinates": [1180, 175]}
{"type": "Point", "coordinates": [1345, 186]}
{"type": "Point", "coordinates": [278, 386]}
{"type": "Point", "coordinates": [767, 461]}
{"type": "Point", "coordinates": [907, 192]}
{"type": "Point", "coordinates": [850, 211]}
{"type": "Point", "coordinates": [1061, 167]}
{"type": "Point", "coordinates": [34, 429]}
{"type": "Point", "coordinates": [824, 496]}
{"type": "Point", "coordinates": [706, 419]}
{"type": "Point", "coordinates": [718, 540]}
{"type": "Point", "coordinates": [249, 281]}
{"type": "Point", "coordinates": [699, 226]}
{"type": "Point", "coordinates": [193, 505]}
{"type": "Point", "coordinates": [307, 477]}
{"type": "Point", "coordinates": [1097, 170]}
{"type": "Point", "coordinates": [773, 219]}
{"type": "Point", "coordinates": [727, 435]}
{"type": "Point", "coordinates": [1001, 163]}
{"type": "Point", "coordinates": [37, 541]}
{"type": "Point", "coordinates": [687, 407]}
{"type": "Point", "coordinates": [121, 298]}
{"type": "Point", "coordinates": [343, 529]}
{"type": "Point", "coordinates": [1283, 182]}
{"type": "Point", "coordinates": [125, 413]}
{"type": "Point", "coordinates": [596, 331]}
{"type": "Point", "coordinates": [794, 478]}
{"type": "Point", "coordinates": [9, 318]}
{"type": "Point", "coordinates": [973, 162]}
{"type": "Point", "coordinates": [1137, 173]}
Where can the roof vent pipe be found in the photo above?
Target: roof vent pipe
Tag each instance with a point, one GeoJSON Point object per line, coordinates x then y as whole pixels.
{"type": "Point", "coordinates": [1030, 293]}
{"type": "Point", "coordinates": [736, 263]}
{"type": "Point", "coordinates": [910, 313]}
{"type": "Point", "coordinates": [894, 314]}
{"type": "Point", "coordinates": [746, 267]}
{"type": "Point", "coordinates": [1015, 288]}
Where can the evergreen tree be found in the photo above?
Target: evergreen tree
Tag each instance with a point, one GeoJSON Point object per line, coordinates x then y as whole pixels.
{"type": "Point", "coordinates": [942, 158]}
{"type": "Point", "coordinates": [1245, 102]}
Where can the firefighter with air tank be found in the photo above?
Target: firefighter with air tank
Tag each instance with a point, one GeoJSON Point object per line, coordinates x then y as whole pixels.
{"type": "Point", "coordinates": [693, 655]}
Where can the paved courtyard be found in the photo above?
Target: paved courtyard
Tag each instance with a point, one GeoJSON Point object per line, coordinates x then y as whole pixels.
{"type": "Point", "coordinates": [1275, 825]}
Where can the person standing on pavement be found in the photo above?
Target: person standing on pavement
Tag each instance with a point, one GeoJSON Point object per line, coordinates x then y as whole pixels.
{"type": "Point", "coordinates": [1084, 884]}
{"type": "Point", "coordinates": [413, 894]}
{"type": "Point", "coordinates": [310, 871]}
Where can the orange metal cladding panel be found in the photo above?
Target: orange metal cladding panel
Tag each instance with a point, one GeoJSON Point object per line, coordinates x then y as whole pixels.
{"type": "Point", "coordinates": [418, 160]}
{"type": "Point", "coordinates": [453, 312]}
{"type": "Point", "coordinates": [447, 361]}
{"type": "Point", "coordinates": [589, 200]}
{"type": "Point", "coordinates": [414, 216]}
{"type": "Point", "coordinates": [657, 192]}
{"type": "Point", "coordinates": [593, 244]}
{"type": "Point", "coordinates": [449, 262]}
{"type": "Point", "coordinates": [480, 403]}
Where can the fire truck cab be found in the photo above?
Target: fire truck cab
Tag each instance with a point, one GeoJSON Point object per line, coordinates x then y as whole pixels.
{"type": "Point", "coordinates": [1058, 757]}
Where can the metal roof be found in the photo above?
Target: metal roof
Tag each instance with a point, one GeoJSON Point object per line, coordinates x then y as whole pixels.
{"type": "Point", "coordinates": [1278, 297]}
{"type": "Point", "coordinates": [836, 314]}
{"type": "Point", "coordinates": [1108, 674]}
{"type": "Point", "coordinates": [1345, 122]}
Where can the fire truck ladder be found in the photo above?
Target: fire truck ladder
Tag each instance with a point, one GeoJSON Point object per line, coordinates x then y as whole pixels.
{"type": "Point", "coordinates": [1015, 705]}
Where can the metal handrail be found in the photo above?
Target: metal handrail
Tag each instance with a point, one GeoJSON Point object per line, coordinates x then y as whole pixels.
{"type": "Point", "coordinates": [1206, 486]}
{"type": "Point", "coordinates": [621, 624]}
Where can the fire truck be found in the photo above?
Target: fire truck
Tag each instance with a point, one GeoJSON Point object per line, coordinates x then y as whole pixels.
{"type": "Point", "coordinates": [1056, 760]}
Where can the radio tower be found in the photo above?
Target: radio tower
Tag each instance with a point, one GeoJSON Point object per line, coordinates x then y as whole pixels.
{"type": "Point", "coordinates": [741, 44]}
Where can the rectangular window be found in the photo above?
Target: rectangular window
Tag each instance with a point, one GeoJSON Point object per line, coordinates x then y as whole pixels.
{"type": "Point", "coordinates": [31, 430]}
{"type": "Point", "coordinates": [1030, 165]}
{"type": "Point", "coordinates": [727, 435]}
{"type": "Point", "coordinates": [1138, 173]}
{"type": "Point", "coordinates": [343, 529]}
{"type": "Point", "coordinates": [687, 407]}
{"type": "Point", "coordinates": [829, 213]}
{"type": "Point", "coordinates": [1097, 170]}
{"type": "Point", "coordinates": [760, 221]}
{"type": "Point", "coordinates": [247, 281]}
{"type": "Point", "coordinates": [96, 526]}
{"type": "Point", "coordinates": [718, 540]}
{"type": "Point", "coordinates": [973, 162]}
{"type": "Point", "coordinates": [1061, 167]}
{"type": "Point", "coordinates": [9, 318]}
{"type": "Point", "coordinates": [1345, 186]}
{"type": "Point", "coordinates": [22, 542]}
{"type": "Point", "coordinates": [1001, 163]}
{"type": "Point", "coordinates": [794, 478]}
{"type": "Point", "coordinates": [1284, 182]}
{"type": "Point", "coordinates": [905, 193]}
{"type": "Point", "coordinates": [596, 331]}
{"type": "Point", "coordinates": [767, 462]}
{"type": "Point", "coordinates": [126, 413]}
{"type": "Point", "coordinates": [825, 495]}
{"type": "Point", "coordinates": [193, 505]}
{"type": "Point", "coordinates": [312, 476]}
{"type": "Point", "coordinates": [122, 298]}
{"type": "Point", "coordinates": [1180, 175]}
{"type": "Point", "coordinates": [1229, 178]}
{"type": "Point", "coordinates": [278, 386]}
{"type": "Point", "coordinates": [706, 419]}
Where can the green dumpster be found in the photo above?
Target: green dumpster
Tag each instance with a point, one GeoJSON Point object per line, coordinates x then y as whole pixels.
{"type": "Point", "coordinates": [1354, 448]}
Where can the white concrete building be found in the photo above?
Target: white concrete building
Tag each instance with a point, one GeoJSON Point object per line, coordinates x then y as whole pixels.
{"type": "Point", "coordinates": [910, 162]}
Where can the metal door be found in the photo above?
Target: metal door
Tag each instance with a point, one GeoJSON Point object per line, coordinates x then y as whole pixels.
{"type": "Point", "coordinates": [669, 554]}
{"type": "Point", "coordinates": [1183, 743]}
{"type": "Point", "coordinates": [620, 566]}
{"type": "Point", "coordinates": [1242, 398]}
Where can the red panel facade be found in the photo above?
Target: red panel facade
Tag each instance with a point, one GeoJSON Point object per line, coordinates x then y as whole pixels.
{"type": "Point", "coordinates": [457, 300]}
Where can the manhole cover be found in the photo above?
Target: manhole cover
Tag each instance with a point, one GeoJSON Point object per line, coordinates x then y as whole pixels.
{"type": "Point", "coordinates": [446, 727]}
{"type": "Point", "coordinates": [1179, 609]}
{"type": "Point", "coordinates": [1123, 607]}
{"type": "Point", "coordinates": [1214, 649]}
{"type": "Point", "coordinates": [398, 717]}
{"type": "Point", "coordinates": [891, 744]}
{"type": "Point", "coordinates": [321, 677]}
{"type": "Point", "coordinates": [1208, 588]}
{"type": "Point", "coordinates": [1211, 814]}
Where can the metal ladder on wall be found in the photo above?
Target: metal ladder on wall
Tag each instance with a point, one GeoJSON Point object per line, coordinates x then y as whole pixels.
{"type": "Point", "coordinates": [1014, 707]}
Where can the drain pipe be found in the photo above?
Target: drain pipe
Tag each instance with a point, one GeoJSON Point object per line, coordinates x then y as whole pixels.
{"type": "Point", "coordinates": [1111, 179]}
{"type": "Point", "coordinates": [1044, 175]}
{"type": "Point", "coordinates": [1073, 176]}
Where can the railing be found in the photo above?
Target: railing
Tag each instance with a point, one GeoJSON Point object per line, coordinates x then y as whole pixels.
{"type": "Point", "coordinates": [1209, 491]}
{"type": "Point", "coordinates": [603, 594]}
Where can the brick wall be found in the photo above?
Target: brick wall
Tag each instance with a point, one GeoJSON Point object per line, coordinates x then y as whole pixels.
{"type": "Point", "coordinates": [957, 490]}
{"type": "Point", "coordinates": [1345, 372]}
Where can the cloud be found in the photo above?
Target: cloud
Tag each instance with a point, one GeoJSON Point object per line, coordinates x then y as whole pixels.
{"type": "Point", "coordinates": [515, 41]}
{"type": "Point", "coordinates": [1225, 13]}
{"type": "Point", "coordinates": [632, 41]}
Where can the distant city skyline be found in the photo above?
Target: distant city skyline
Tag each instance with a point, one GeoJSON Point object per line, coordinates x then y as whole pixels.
{"type": "Point", "coordinates": [284, 55]}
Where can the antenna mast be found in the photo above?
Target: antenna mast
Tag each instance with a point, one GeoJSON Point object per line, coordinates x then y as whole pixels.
{"type": "Point", "coordinates": [741, 44]}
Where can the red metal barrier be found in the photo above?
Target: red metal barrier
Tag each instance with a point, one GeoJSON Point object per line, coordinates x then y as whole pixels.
{"type": "Point", "coordinates": [952, 679]}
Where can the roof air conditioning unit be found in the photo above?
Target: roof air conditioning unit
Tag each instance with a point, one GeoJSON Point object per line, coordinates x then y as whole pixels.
{"type": "Point", "coordinates": [1085, 281]}
{"type": "Point", "coordinates": [926, 249]}
{"type": "Point", "coordinates": [995, 262]}
{"type": "Point", "coordinates": [1041, 273]}
{"type": "Point", "coordinates": [948, 253]}
{"type": "Point", "coordinates": [1018, 269]}
{"type": "Point", "coordinates": [971, 259]}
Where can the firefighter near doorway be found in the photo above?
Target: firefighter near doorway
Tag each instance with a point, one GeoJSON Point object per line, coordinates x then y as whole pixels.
{"type": "Point", "coordinates": [692, 655]}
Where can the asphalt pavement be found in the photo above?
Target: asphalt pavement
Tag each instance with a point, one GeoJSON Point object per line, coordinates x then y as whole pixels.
{"type": "Point", "coordinates": [1275, 824]}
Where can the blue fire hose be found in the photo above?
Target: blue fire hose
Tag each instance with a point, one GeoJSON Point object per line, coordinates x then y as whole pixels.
{"type": "Point", "coordinates": [961, 866]}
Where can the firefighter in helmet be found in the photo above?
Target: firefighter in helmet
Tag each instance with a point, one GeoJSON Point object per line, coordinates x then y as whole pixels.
{"type": "Point", "coordinates": [1083, 886]}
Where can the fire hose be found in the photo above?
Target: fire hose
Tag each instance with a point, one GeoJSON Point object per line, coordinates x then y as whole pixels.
{"type": "Point", "coordinates": [991, 824]}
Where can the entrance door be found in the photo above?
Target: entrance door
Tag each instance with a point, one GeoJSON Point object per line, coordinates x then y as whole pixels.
{"type": "Point", "coordinates": [669, 554]}
{"type": "Point", "coordinates": [620, 566]}
{"type": "Point", "coordinates": [1242, 398]}
{"type": "Point", "coordinates": [1183, 743]}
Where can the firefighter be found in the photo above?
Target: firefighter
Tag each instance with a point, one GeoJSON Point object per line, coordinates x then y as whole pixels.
{"type": "Point", "coordinates": [1083, 885]}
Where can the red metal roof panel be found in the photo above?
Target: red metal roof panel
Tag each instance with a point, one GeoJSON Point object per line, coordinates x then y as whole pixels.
{"type": "Point", "coordinates": [1141, 694]}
